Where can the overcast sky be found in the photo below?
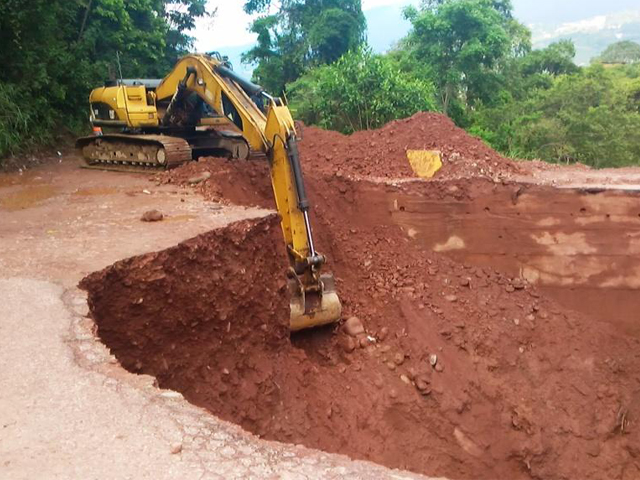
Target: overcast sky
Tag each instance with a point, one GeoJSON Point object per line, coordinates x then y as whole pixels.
{"type": "Point", "coordinates": [231, 24]}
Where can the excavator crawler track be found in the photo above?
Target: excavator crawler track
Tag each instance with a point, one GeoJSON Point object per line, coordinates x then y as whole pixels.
{"type": "Point", "coordinates": [134, 152]}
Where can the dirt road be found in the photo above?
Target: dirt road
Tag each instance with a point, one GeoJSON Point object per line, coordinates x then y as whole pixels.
{"type": "Point", "coordinates": [67, 409]}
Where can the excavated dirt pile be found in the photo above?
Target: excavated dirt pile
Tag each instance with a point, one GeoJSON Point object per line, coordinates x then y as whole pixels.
{"type": "Point", "coordinates": [460, 371]}
{"type": "Point", "coordinates": [382, 152]}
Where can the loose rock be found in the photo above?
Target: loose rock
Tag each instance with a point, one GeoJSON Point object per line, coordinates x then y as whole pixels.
{"type": "Point", "coordinates": [433, 359]}
{"type": "Point", "coordinates": [348, 344]}
{"type": "Point", "coordinates": [398, 359]}
{"type": "Point", "coordinates": [199, 178]}
{"type": "Point", "coordinates": [383, 333]}
{"type": "Point", "coordinates": [152, 216]}
{"type": "Point", "coordinates": [423, 385]}
{"type": "Point", "coordinates": [353, 327]}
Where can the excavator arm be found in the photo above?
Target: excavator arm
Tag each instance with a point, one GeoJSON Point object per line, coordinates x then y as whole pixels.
{"type": "Point", "coordinates": [313, 297]}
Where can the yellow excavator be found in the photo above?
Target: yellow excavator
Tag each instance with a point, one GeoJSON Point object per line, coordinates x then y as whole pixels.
{"type": "Point", "coordinates": [204, 108]}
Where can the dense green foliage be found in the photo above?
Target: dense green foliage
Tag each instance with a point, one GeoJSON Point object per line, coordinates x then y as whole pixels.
{"type": "Point", "coordinates": [300, 35]}
{"type": "Point", "coordinates": [473, 61]}
{"type": "Point", "coordinates": [591, 117]}
{"type": "Point", "coordinates": [465, 42]}
{"type": "Point", "coordinates": [359, 91]}
{"type": "Point", "coordinates": [625, 52]}
{"type": "Point", "coordinates": [53, 52]}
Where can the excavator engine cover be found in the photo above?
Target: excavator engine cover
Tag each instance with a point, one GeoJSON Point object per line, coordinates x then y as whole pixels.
{"type": "Point", "coordinates": [313, 309]}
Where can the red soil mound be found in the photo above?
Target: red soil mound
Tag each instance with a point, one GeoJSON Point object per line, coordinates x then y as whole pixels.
{"type": "Point", "coordinates": [382, 152]}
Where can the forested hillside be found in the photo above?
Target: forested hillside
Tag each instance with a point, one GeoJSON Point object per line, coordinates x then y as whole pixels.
{"type": "Point", "coordinates": [54, 51]}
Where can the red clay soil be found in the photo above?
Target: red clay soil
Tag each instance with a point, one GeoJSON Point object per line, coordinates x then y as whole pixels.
{"type": "Point", "coordinates": [462, 372]}
{"type": "Point", "coordinates": [239, 182]}
{"type": "Point", "coordinates": [519, 389]}
{"type": "Point", "coordinates": [382, 152]}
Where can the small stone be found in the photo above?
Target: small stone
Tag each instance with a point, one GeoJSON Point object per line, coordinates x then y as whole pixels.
{"type": "Point", "coordinates": [433, 359]}
{"type": "Point", "coordinates": [385, 348]}
{"type": "Point", "coordinates": [439, 368]}
{"type": "Point", "coordinates": [378, 382]}
{"type": "Point", "coordinates": [225, 371]}
{"type": "Point", "coordinates": [510, 289]}
{"type": "Point", "coordinates": [451, 298]}
{"type": "Point", "coordinates": [199, 178]}
{"type": "Point", "coordinates": [393, 393]}
{"type": "Point", "coordinates": [531, 317]}
{"type": "Point", "coordinates": [521, 349]}
{"type": "Point", "coordinates": [342, 368]}
{"type": "Point", "coordinates": [405, 379]}
{"type": "Point", "coordinates": [422, 385]}
{"type": "Point", "coordinates": [518, 283]}
{"type": "Point", "coordinates": [465, 282]}
{"type": "Point", "coordinates": [353, 327]}
{"type": "Point", "coordinates": [398, 359]}
{"type": "Point", "coordinates": [391, 366]}
{"type": "Point", "coordinates": [152, 216]}
{"type": "Point", "coordinates": [348, 344]}
{"type": "Point", "coordinates": [176, 448]}
{"type": "Point", "coordinates": [364, 342]}
{"type": "Point", "coordinates": [516, 321]}
{"type": "Point", "coordinates": [383, 333]}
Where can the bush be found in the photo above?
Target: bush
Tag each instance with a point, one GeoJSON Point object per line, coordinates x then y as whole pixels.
{"type": "Point", "coordinates": [22, 122]}
{"type": "Point", "coordinates": [360, 91]}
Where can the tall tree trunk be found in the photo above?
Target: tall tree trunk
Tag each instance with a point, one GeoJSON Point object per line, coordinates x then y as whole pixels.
{"type": "Point", "coordinates": [84, 20]}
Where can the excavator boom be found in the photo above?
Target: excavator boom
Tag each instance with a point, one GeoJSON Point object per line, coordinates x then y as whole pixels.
{"type": "Point", "coordinates": [203, 106]}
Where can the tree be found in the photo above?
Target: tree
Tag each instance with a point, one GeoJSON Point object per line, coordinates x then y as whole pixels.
{"type": "Point", "coordinates": [625, 52]}
{"type": "Point", "coordinates": [302, 34]}
{"type": "Point", "coordinates": [466, 42]}
{"type": "Point", "coordinates": [590, 117]}
{"type": "Point", "coordinates": [49, 70]}
{"type": "Point", "coordinates": [360, 91]}
{"type": "Point", "coordinates": [497, 121]}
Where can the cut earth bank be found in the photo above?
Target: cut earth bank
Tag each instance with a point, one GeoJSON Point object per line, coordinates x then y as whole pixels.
{"type": "Point", "coordinates": [498, 310]}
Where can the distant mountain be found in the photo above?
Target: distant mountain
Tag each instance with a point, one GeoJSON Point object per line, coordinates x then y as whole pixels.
{"type": "Point", "coordinates": [593, 35]}
{"type": "Point", "coordinates": [552, 13]}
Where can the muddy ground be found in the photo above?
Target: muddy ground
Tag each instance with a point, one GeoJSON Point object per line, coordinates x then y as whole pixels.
{"type": "Point", "coordinates": [463, 371]}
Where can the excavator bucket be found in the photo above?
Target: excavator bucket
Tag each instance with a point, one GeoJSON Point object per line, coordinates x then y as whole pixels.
{"type": "Point", "coordinates": [313, 309]}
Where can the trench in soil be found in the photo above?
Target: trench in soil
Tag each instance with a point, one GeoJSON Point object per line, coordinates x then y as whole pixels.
{"type": "Point", "coordinates": [526, 295]}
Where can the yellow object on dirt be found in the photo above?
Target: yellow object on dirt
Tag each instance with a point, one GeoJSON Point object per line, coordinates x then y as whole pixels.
{"type": "Point", "coordinates": [425, 163]}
